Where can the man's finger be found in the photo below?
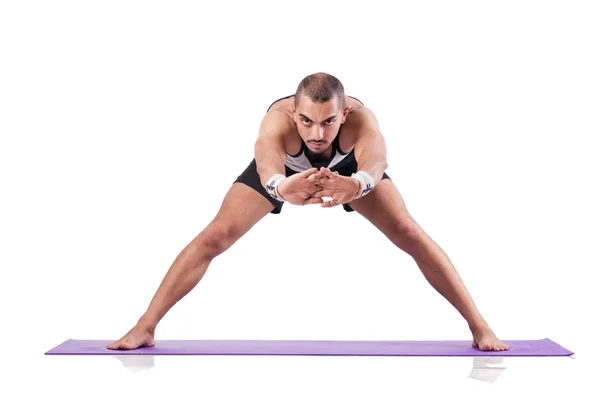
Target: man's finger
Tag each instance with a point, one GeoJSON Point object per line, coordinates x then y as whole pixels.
{"type": "Point", "coordinates": [312, 178]}
{"type": "Point", "coordinates": [322, 172]}
{"type": "Point", "coordinates": [308, 172]}
{"type": "Point", "coordinates": [323, 193]}
{"type": "Point", "coordinates": [314, 189]}
{"type": "Point", "coordinates": [323, 181]}
{"type": "Point", "coordinates": [327, 172]}
{"type": "Point", "coordinates": [314, 200]}
{"type": "Point", "coordinates": [329, 204]}
{"type": "Point", "coordinates": [318, 175]}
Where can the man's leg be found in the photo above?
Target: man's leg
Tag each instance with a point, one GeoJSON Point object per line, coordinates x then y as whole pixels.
{"type": "Point", "coordinates": [384, 207]}
{"type": "Point", "coordinates": [241, 209]}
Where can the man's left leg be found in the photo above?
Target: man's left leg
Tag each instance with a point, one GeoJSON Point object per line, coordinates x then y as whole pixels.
{"type": "Point", "coordinates": [384, 207]}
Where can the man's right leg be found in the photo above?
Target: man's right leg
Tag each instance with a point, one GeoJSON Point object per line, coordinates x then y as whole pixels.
{"type": "Point", "coordinates": [240, 210]}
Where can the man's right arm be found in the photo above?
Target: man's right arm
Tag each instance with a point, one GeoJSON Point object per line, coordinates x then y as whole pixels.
{"type": "Point", "coordinates": [269, 149]}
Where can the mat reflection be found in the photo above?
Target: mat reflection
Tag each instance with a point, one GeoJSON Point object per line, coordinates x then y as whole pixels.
{"type": "Point", "coordinates": [136, 363]}
{"type": "Point", "coordinates": [487, 368]}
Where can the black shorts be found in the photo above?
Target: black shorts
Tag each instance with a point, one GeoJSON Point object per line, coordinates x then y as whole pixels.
{"type": "Point", "coordinates": [251, 178]}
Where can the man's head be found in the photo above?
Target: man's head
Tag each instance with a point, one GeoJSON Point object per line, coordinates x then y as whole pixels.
{"type": "Point", "coordinates": [319, 110]}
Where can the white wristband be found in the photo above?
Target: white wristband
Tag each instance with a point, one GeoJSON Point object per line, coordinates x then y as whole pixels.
{"type": "Point", "coordinates": [366, 181]}
{"type": "Point", "coordinates": [272, 186]}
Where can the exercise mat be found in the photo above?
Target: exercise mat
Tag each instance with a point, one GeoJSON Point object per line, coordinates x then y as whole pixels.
{"type": "Point", "coordinates": [540, 347]}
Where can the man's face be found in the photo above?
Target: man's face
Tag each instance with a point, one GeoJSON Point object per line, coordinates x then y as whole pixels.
{"type": "Point", "coordinates": [318, 123]}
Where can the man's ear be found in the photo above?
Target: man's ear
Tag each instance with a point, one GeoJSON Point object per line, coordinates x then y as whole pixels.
{"type": "Point", "coordinates": [347, 110]}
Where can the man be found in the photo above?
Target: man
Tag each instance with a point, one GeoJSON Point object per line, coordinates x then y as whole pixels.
{"type": "Point", "coordinates": [302, 155]}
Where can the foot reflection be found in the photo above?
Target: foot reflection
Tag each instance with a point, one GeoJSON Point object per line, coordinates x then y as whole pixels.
{"type": "Point", "coordinates": [136, 363]}
{"type": "Point", "coordinates": [487, 368]}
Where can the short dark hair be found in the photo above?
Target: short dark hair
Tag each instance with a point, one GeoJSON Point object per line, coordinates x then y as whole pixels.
{"type": "Point", "coordinates": [321, 87]}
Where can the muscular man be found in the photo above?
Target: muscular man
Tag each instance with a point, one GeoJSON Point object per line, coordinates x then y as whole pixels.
{"type": "Point", "coordinates": [303, 155]}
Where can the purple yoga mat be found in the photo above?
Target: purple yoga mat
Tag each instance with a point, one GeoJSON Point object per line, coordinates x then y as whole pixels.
{"type": "Point", "coordinates": [541, 347]}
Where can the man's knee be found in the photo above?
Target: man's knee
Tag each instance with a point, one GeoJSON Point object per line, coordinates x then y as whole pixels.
{"type": "Point", "coordinates": [406, 233]}
{"type": "Point", "coordinates": [215, 239]}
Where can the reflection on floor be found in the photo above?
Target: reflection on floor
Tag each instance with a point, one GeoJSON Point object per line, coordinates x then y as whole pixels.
{"type": "Point", "coordinates": [136, 363]}
{"type": "Point", "coordinates": [485, 368]}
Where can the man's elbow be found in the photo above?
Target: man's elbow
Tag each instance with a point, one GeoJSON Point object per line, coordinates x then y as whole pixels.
{"type": "Point", "coordinates": [382, 158]}
{"type": "Point", "coordinates": [383, 165]}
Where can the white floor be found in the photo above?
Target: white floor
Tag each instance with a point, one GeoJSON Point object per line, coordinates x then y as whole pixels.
{"type": "Point", "coordinates": [112, 118]}
{"type": "Point", "coordinates": [303, 376]}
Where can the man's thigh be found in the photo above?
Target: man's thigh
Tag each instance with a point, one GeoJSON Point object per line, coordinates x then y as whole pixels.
{"type": "Point", "coordinates": [385, 208]}
{"type": "Point", "coordinates": [348, 170]}
{"type": "Point", "coordinates": [251, 178]}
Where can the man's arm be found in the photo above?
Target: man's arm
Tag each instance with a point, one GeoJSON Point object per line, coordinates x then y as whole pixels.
{"type": "Point", "coordinates": [370, 150]}
{"type": "Point", "coordinates": [269, 149]}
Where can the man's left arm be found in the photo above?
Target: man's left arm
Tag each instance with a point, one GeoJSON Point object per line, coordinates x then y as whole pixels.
{"type": "Point", "coordinates": [369, 150]}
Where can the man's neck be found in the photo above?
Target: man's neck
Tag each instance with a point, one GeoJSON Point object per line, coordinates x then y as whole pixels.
{"type": "Point", "coordinates": [320, 156]}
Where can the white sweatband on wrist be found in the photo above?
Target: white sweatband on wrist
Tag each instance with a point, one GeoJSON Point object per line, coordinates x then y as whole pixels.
{"type": "Point", "coordinates": [366, 181]}
{"type": "Point", "coordinates": [272, 186]}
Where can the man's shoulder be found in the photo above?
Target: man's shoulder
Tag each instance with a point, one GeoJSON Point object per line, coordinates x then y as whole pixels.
{"type": "Point", "coordinates": [277, 121]}
{"type": "Point", "coordinates": [361, 118]}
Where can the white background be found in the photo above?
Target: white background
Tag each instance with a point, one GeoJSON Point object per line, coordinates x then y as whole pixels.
{"type": "Point", "coordinates": [124, 123]}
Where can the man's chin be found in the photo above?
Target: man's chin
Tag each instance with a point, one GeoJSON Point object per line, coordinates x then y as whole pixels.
{"type": "Point", "coordinates": [318, 153]}
{"type": "Point", "coordinates": [317, 149]}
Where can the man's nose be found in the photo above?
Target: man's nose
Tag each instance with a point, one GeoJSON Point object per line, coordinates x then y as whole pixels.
{"type": "Point", "coordinates": [317, 133]}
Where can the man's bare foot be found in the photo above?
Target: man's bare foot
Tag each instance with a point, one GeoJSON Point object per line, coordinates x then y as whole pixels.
{"type": "Point", "coordinates": [139, 336]}
{"type": "Point", "coordinates": [484, 339]}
